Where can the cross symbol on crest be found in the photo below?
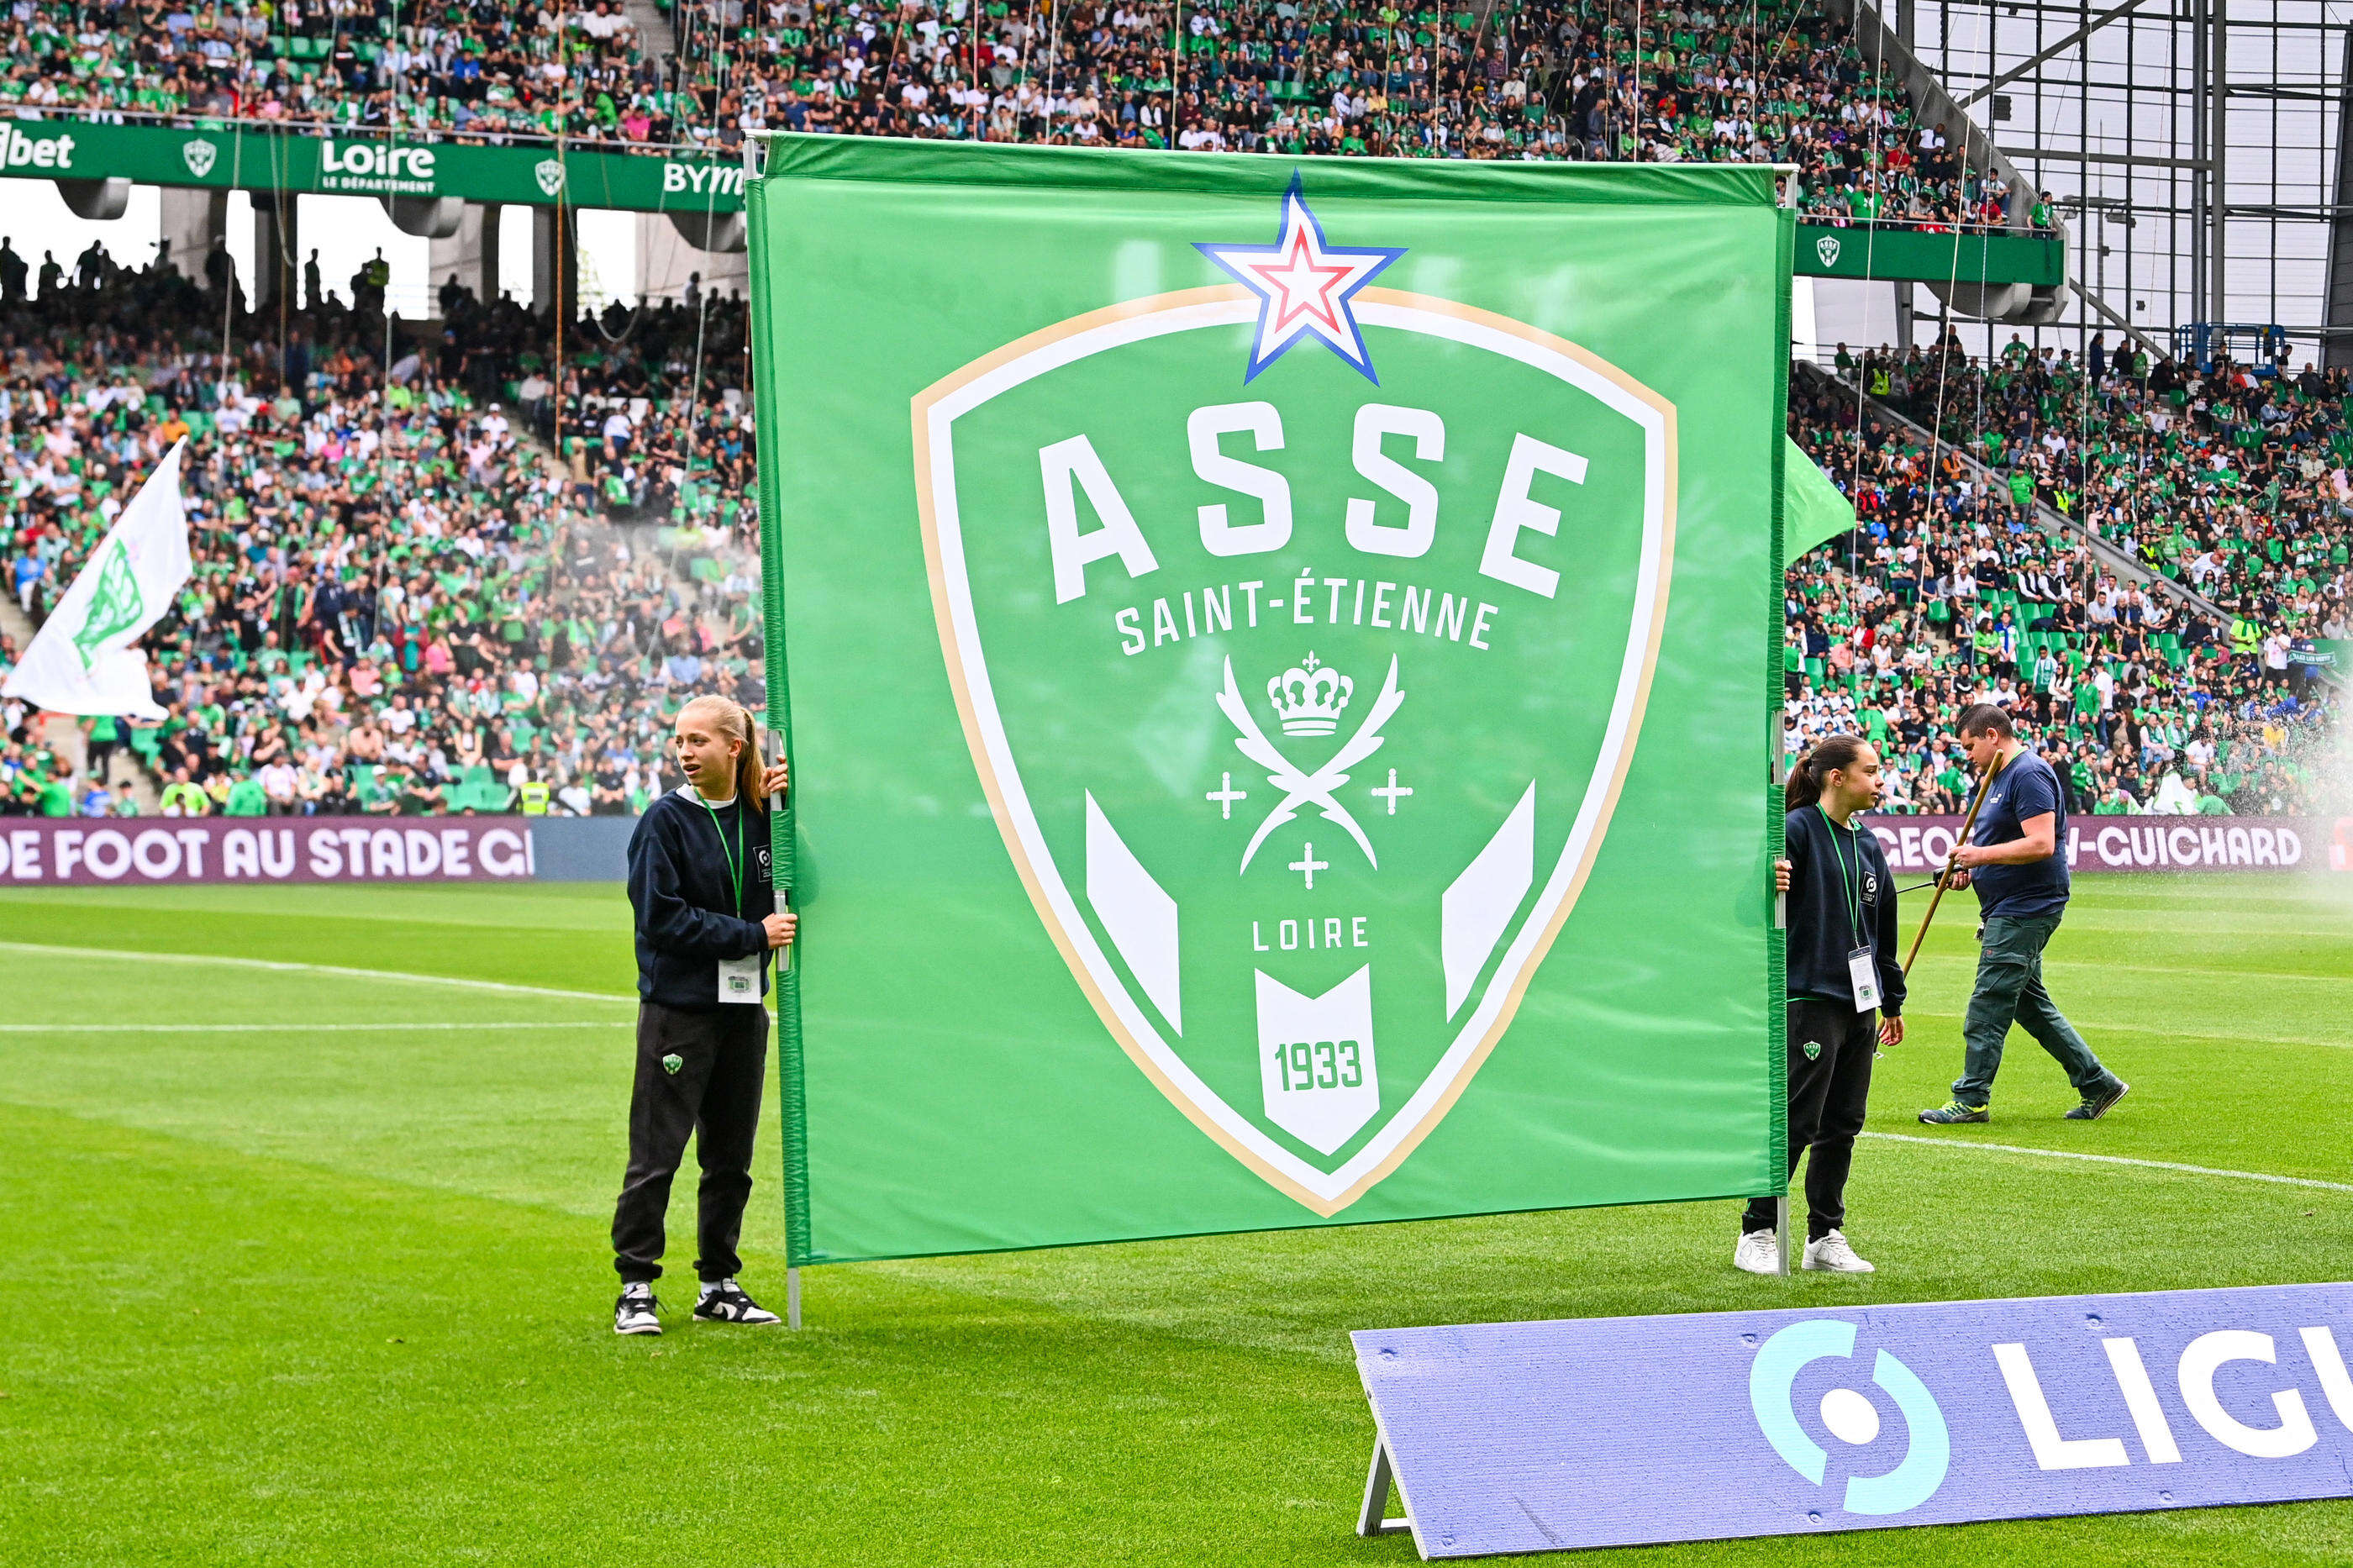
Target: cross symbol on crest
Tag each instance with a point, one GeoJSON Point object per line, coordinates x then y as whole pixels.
{"type": "Point", "coordinates": [1307, 864]}
{"type": "Point", "coordinates": [1225, 795]}
{"type": "Point", "coordinates": [1393, 793]}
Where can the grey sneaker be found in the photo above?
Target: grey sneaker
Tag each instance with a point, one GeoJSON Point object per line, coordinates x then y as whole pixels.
{"type": "Point", "coordinates": [1953, 1112]}
{"type": "Point", "coordinates": [724, 1301]}
{"type": "Point", "coordinates": [634, 1312]}
{"type": "Point", "coordinates": [2096, 1104]}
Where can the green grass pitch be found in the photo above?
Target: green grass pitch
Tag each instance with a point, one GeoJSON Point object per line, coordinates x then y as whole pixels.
{"type": "Point", "coordinates": [318, 1275]}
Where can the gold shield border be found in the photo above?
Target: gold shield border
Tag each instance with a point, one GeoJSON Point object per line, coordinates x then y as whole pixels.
{"type": "Point", "coordinates": [994, 788]}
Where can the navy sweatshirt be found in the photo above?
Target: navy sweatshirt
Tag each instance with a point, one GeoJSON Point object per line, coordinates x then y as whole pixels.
{"type": "Point", "coordinates": [684, 896]}
{"type": "Point", "coordinates": [1821, 914]}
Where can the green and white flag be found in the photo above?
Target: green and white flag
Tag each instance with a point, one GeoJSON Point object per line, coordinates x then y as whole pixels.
{"type": "Point", "coordinates": [82, 661]}
{"type": "Point", "coordinates": [1283, 679]}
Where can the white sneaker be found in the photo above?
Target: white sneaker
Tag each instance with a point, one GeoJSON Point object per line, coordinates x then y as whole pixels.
{"type": "Point", "coordinates": [1759, 1252]}
{"type": "Point", "coordinates": [1833, 1253]}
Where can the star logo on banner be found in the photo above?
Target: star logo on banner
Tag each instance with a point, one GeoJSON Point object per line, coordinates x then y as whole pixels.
{"type": "Point", "coordinates": [1303, 287]}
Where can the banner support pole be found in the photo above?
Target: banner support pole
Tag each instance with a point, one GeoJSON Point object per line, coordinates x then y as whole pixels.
{"type": "Point", "coordinates": [792, 1296]}
{"type": "Point", "coordinates": [1781, 1232]}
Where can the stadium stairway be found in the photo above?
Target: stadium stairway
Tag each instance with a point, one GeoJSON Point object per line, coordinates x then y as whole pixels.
{"type": "Point", "coordinates": [2018, 304]}
{"type": "Point", "coordinates": [656, 40]}
{"type": "Point", "coordinates": [2121, 562]}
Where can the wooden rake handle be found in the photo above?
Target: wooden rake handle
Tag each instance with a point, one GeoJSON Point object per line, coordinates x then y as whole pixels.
{"type": "Point", "coordinates": [1944, 876]}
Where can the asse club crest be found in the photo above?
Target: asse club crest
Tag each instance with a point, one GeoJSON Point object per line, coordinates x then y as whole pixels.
{"type": "Point", "coordinates": [1302, 629]}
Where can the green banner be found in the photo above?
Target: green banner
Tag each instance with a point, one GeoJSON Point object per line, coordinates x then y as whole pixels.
{"type": "Point", "coordinates": [248, 160]}
{"type": "Point", "coordinates": [1283, 677]}
{"type": "Point", "coordinates": [1892, 255]}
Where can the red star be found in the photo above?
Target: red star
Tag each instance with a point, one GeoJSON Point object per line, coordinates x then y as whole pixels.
{"type": "Point", "coordinates": [1301, 285]}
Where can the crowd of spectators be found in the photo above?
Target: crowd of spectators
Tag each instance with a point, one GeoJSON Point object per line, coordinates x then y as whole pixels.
{"type": "Point", "coordinates": [1950, 591]}
{"type": "Point", "coordinates": [399, 603]}
{"type": "Point", "coordinates": [475, 72]}
{"type": "Point", "coordinates": [1772, 80]}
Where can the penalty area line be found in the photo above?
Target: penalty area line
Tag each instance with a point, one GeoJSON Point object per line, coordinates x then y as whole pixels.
{"type": "Point", "coordinates": [2116, 1160]}
{"type": "Point", "coordinates": [121, 955]}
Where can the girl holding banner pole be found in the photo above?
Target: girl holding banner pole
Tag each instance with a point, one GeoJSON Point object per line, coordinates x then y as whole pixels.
{"type": "Point", "coordinates": [702, 886]}
{"type": "Point", "coordinates": [1846, 992]}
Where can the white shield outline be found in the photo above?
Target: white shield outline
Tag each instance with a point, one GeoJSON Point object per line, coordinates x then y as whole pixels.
{"type": "Point", "coordinates": [935, 410]}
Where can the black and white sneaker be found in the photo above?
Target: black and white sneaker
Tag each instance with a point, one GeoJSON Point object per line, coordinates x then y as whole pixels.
{"type": "Point", "coordinates": [634, 1312]}
{"type": "Point", "coordinates": [725, 1302]}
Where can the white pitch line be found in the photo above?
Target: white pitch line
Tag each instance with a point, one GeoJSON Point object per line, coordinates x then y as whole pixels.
{"type": "Point", "coordinates": [2116, 1160]}
{"type": "Point", "coordinates": [121, 957]}
{"type": "Point", "coordinates": [296, 1028]}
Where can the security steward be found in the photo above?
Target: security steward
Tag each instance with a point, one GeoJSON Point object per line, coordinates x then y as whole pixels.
{"type": "Point", "coordinates": [702, 886]}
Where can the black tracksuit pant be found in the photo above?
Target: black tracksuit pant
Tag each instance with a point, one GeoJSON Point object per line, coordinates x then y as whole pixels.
{"type": "Point", "coordinates": [721, 1057]}
{"type": "Point", "coordinates": [1831, 1051]}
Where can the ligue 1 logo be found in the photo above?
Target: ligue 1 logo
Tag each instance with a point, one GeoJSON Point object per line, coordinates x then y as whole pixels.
{"type": "Point", "coordinates": [1851, 1417]}
{"type": "Point", "coordinates": [1301, 622]}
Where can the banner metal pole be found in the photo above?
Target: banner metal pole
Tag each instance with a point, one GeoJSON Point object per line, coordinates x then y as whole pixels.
{"type": "Point", "coordinates": [767, 419]}
{"type": "Point", "coordinates": [1786, 193]}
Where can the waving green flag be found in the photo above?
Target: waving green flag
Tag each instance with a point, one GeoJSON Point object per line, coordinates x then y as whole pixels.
{"type": "Point", "coordinates": [1813, 509]}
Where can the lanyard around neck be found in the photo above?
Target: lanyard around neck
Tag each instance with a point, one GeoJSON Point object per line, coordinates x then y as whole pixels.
{"type": "Point", "coordinates": [1853, 896]}
{"type": "Point", "coordinates": [734, 865]}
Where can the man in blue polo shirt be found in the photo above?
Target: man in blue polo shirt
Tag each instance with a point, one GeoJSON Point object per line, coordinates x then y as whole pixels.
{"type": "Point", "coordinates": [2015, 858]}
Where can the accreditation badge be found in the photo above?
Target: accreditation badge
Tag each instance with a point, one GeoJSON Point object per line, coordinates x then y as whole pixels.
{"type": "Point", "coordinates": [1861, 968]}
{"type": "Point", "coordinates": [739, 979]}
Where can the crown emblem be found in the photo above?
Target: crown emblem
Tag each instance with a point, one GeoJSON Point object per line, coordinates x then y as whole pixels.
{"type": "Point", "coordinates": [1308, 696]}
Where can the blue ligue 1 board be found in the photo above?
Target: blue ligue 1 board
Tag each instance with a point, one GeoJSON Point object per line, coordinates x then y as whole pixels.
{"type": "Point", "coordinates": [1509, 1437]}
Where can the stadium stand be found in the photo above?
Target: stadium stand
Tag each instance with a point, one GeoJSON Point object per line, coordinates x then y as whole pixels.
{"type": "Point", "coordinates": [1774, 82]}
{"type": "Point", "coordinates": [467, 580]}
{"type": "Point", "coordinates": [399, 605]}
{"type": "Point", "coordinates": [406, 604]}
{"type": "Point", "coordinates": [1949, 591]}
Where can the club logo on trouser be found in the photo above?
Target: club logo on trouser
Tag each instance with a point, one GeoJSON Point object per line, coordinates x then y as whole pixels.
{"type": "Point", "coordinates": [1813, 1049]}
{"type": "Point", "coordinates": [671, 1063]}
{"type": "Point", "coordinates": [1190, 554]}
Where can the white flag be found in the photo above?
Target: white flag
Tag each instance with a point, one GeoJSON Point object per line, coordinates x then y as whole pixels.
{"type": "Point", "coordinates": [83, 660]}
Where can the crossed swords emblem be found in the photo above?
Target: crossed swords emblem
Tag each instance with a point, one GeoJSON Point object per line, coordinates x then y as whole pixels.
{"type": "Point", "coordinates": [1305, 788]}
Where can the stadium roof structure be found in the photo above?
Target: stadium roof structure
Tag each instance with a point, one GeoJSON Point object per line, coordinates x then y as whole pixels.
{"type": "Point", "coordinates": [2198, 147]}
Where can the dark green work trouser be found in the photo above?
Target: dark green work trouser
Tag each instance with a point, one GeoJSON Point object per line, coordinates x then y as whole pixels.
{"type": "Point", "coordinates": [2009, 991]}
